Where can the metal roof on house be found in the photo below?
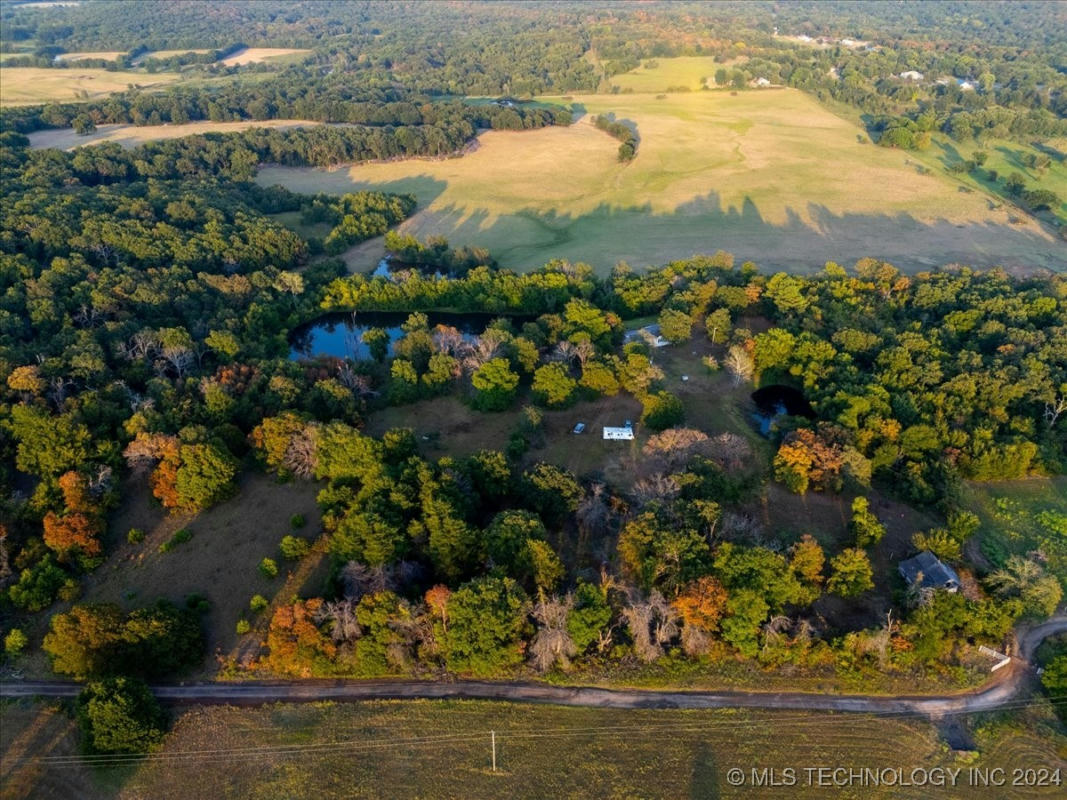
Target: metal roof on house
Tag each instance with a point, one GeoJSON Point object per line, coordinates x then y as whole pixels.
{"type": "Point", "coordinates": [935, 574]}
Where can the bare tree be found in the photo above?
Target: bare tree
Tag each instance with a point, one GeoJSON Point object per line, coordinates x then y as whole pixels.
{"type": "Point", "coordinates": [653, 623]}
{"type": "Point", "coordinates": [301, 456]}
{"type": "Point", "coordinates": [656, 487]}
{"type": "Point", "coordinates": [1054, 409]}
{"type": "Point", "coordinates": [448, 339]}
{"type": "Point", "coordinates": [739, 364]}
{"type": "Point", "coordinates": [730, 450]}
{"type": "Point", "coordinates": [341, 617]}
{"type": "Point", "coordinates": [674, 446]}
{"type": "Point", "coordinates": [359, 579]}
{"type": "Point", "coordinates": [552, 643]}
{"type": "Point", "coordinates": [563, 352]}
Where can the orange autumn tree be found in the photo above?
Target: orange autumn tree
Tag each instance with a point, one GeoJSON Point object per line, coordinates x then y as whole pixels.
{"type": "Point", "coordinates": [76, 532]}
{"type": "Point", "coordinates": [297, 646]}
{"type": "Point", "coordinates": [701, 605]}
{"type": "Point", "coordinates": [806, 459]}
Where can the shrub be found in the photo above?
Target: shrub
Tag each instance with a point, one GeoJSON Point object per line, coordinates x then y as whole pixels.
{"type": "Point", "coordinates": [297, 521]}
{"type": "Point", "coordinates": [135, 536]}
{"type": "Point", "coordinates": [243, 627]}
{"type": "Point", "coordinates": [15, 642]}
{"type": "Point", "coordinates": [181, 536]}
{"type": "Point", "coordinates": [258, 603]}
{"type": "Point", "coordinates": [269, 567]}
{"type": "Point", "coordinates": [294, 548]}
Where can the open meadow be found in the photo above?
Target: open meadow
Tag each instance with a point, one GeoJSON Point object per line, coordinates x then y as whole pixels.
{"type": "Point", "coordinates": [684, 72]}
{"type": "Point", "coordinates": [256, 55]}
{"type": "Point", "coordinates": [769, 175]}
{"type": "Point", "coordinates": [134, 135]}
{"type": "Point", "coordinates": [23, 86]}
{"type": "Point", "coordinates": [442, 749]}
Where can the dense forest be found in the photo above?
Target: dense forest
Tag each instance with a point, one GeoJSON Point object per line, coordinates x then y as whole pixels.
{"type": "Point", "coordinates": [990, 69]}
{"type": "Point", "coordinates": [148, 297]}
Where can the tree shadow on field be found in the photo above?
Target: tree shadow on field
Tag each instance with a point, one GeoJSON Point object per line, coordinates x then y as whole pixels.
{"type": "Point", "coordinates": [704, 777]}
{"type": "Point", "coordinates": [803, 241]}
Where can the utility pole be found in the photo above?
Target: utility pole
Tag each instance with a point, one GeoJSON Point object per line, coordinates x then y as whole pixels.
{"type": "Point", "coordinates": [493, 735]}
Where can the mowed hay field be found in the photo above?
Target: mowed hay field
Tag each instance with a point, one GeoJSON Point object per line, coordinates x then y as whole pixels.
{"type": "Point", "coordinates": [23, 86]}
{"type": "Point", "coordinates": [254, 55]}
{"type": "Point", "coordinates": [133, 135]}
{"type": "Point", "coordinates": [769, 175]}
{"type": "Point", "coordinates": [421, 749]}
{"type": "Point", "coordinates": [672, 73]}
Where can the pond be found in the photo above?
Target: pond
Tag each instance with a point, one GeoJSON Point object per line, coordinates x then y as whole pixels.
{"type": "Point", "coordinates": [777, 401]}
{"type": "Point", "coordinates": [340, 334]}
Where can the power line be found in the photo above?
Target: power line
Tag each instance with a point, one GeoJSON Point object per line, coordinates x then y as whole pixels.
{"type": "Point", "coordinates": [806, 720]}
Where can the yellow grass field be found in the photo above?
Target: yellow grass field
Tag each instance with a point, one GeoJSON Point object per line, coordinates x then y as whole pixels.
{"type": "Point", "coordinates": [109, 55]}
{"type": "Point", "coordinates": [769, 175]}
{"type": "Point", "coordinates": [253, 55]}
{"type": "Point", "coordinates": [23, 86]}
{"type": "Point", "coordinates": [423, 749]}
{"type": "Point", "coordinates": [133, 135]}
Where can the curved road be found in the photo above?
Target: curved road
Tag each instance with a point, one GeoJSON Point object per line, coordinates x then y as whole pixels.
{"type": "Point", "coordinates": [1002, 688]}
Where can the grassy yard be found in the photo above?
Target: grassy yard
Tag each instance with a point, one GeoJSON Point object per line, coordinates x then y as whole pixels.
{"type": "Point", "coordinates": [442, 749]}
{"type": "Point", "coordinates": [23, 86]}
{"type": "Point", "coordinates": [768, 175]}
{"type": "Point", "coordinates": [1019, 517]}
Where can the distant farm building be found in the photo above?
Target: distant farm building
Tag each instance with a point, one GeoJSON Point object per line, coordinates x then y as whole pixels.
{"type": "Point", "coordinates": [911, 75]}
{"type": "Point", "coordinates": [650, 333]}
{"type": "Point", "coordinates": [929, 572]}
{"type": "Point", "coordinates": [618, 433]}
{"type": "Point", "coordinates": [761, 82]}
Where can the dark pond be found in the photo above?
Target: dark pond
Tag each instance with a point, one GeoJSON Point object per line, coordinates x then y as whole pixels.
{"type": "Point", "coordinates": [341, 334]}
{"type": "Point", "coordinates": [777, 401]}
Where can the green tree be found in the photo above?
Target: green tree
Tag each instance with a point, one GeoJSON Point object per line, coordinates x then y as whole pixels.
{"type": "Point", "coordinates": [589, 616]}
{"type": "Point", "coordinates": [864, 525]}
{"type": "Point", "coordinates": [205, 476]}
{"type": "Point", "coordinates": [746, 612]}
{"type": "Point", "coordinates": [86, 641]}
{"type": "Point", "coordinates": [718, 325]}
{"type": "Point", "coordinates": [486, 620]}
{"type": "Point", "coordinates": [675, 326]}
{"type": "Point", "coordinates": [495, 384]}
{"type": "Point", "coordinates": [786, 292]}
{"type": "Point", "coordinates": [851, 573]}
{"type": "Point", "coordinates": [662, 410]}
{"type": "Point", "coordinates": [553, 386]}
{"type": "Point", "coordinates": [120, 715]}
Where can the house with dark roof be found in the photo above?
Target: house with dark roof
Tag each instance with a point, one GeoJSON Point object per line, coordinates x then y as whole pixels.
{"type": "Point", "coordinates": [929, 572]}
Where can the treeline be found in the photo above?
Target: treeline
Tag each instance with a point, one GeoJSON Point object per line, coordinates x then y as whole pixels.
{"type": "Point", "coordinates": [300, 95]}
{"type": "Point", "coordinates": [436, 254]}
{"type": "Point", "coordinates": [628, 148]}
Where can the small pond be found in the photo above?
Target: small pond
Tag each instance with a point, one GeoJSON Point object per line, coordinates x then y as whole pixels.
{"type": "Point", "coordinates": [778, 401]}
{"type": "Point", "coordinates": [341, 334]}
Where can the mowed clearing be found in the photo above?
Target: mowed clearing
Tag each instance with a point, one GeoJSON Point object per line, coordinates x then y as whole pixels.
{"type": "Point", "coordinates": [23, 86]}
{"type": "Point", "coordinates": [769, 175]}
{"type": "Point", "coordinates": [689, 72]}
{"type": "Point", "coordinates": [134, 135]}
{"type": "Point", "coordinates": [254, 55]}
{"type": "Point", "coordinates": [442, 749]}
